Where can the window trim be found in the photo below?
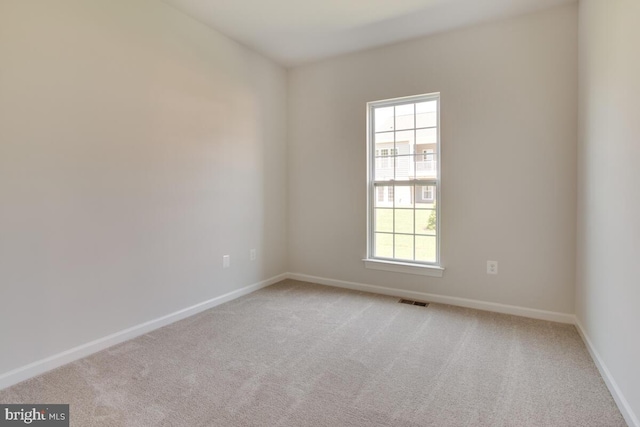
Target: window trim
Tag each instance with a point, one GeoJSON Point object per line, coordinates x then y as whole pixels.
{"type": "Point", "coordinates": [404, 267]}
{"type": "Point", "coordinates": [436, 268]}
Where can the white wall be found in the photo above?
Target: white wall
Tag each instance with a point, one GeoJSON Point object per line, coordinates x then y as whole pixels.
{"type": "Point", "coordinates": [608, 275]}
{"type": "Point", "coordinates": [137, 147]}
{"type": "Point", "coordinates": [509, 131]}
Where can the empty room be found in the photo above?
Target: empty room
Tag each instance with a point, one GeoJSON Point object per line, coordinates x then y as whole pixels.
{"type": "Point", "coordinates": [320, 213]}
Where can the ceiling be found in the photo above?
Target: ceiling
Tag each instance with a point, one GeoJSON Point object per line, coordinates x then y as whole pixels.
{"type": "Point", "coordinates": [294, 32]}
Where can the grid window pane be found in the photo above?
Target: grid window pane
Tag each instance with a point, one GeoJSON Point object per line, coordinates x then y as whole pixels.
{"type": "Point", "coordinates": [405, 116]}
{"type": "Point", "coordinates": [404, 247]}
{"type": "Point", "coordinates": [403, 196]}
{"type": "Point", "coordinates": [426, 164]}
{"type": "Point", "coordinates": [384, 245]}
{"type": "Point", "coordinates": [426, 248]}
{"type": "Point", "coordinates": [427, 114]}
{"type": "Point", "coordinates": [427, 136]}
{"type": "Point", "coordinates": [385, 138]}
{"type": "Point", "coordinates": [403, 221]}
{"type": "Point", "coordinates": [426, 222]}
{"type": "Point", "coordinates": [384, 118]}
{"type": "Point", "coordinates": [384, 196]}
{"type": "Point", "coordinates": [425, 196]}
{"type": "Point", "coordinates": [405, 140]}
{"type": "Point", "coordinates": [384, 167]}
{"type": "Point", "coordinates": [384, 220]}
{"type": "Point", "coordinates": [403, 212]}
{"type": "Point", "coordinates": [404, 168]}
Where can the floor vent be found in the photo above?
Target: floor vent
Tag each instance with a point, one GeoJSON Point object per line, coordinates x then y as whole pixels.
{"type": "Point", "coordinates": [411, 302]}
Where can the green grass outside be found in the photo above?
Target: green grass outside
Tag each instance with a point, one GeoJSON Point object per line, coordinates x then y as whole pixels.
{"type": "Point", "coordinates": [406, 221]}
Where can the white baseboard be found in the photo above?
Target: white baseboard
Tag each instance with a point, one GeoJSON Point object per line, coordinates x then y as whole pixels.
{"type": "Point", "coordinates": [41, 366]}
{"type": "Point", "coordinates": [622, 403]}
{"type": "Point", "coordinates": [442, 299]}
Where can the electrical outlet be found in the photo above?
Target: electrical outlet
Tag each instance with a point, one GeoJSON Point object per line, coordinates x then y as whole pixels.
{"type": "Point", "coordinates": [492, 267]}
{"type": "Point", "coordinates": [226, 261]}
{"type": "Point", "coordinates": [252, 255]}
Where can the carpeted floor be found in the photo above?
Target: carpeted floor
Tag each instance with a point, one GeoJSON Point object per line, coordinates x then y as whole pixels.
{"type": "Point", "coordinates": [297, 354]}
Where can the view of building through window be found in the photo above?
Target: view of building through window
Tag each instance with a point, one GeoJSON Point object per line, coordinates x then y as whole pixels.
{"type": "Point", "coordinates": [404, 175]}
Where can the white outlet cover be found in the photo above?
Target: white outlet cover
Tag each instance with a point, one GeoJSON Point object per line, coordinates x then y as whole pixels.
{"type": "Point", "coordinates": [492, 267]}
{"type": "Point", "coordinates": [226, 261]}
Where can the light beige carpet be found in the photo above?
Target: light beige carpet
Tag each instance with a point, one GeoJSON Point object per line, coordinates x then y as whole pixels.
{"type": "Point", "coordinates": [297, 354]}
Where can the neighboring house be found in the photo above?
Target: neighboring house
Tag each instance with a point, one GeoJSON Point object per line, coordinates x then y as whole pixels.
{"type": "Point", "coordinates": [413, 155]}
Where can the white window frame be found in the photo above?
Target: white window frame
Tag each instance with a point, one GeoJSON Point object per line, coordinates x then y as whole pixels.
{"type": "Point", "coordinates": [434, 269]}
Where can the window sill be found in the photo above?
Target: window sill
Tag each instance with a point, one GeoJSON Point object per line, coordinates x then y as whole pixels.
{"type": "Point", "coordinates": [403, 267]}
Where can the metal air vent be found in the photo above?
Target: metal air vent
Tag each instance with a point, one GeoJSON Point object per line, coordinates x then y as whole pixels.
{"type": "Point", "coordinates": [412, 302]}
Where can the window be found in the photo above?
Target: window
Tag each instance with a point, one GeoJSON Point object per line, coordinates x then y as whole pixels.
{"type": "Point", "coordinates": [427, 193]}
{"type": "Point", "coordinates": [383, 160]}
{"type": "Point", "coordinates": [403, 184]}
{"type": "Point", "coordinates": [385, 196]}
{"type": "Point", "coordinates": [384, 153]}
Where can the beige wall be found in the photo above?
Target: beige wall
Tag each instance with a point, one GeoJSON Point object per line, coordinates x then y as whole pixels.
{"type": "Point", "coordinates": [509, 125]}
{"type": "Point", "coordinates": [608, 282]}
{"type": "Point", "coordinates": [137, 147]}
